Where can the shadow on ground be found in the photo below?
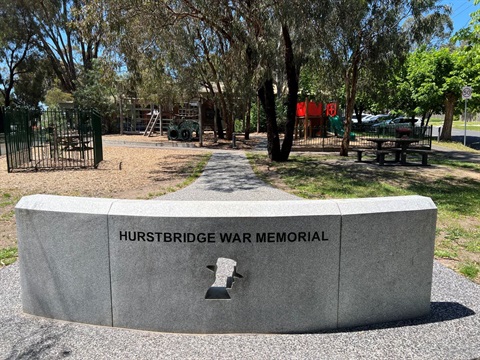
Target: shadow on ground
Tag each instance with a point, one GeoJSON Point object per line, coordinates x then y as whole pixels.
{"type": "Point", "coordinates": [439, 312]}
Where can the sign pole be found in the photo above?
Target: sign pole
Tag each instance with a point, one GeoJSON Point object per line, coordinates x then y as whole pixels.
{"type": "Point", "coordinates": [466, 94]}
{"type": "Point", "coordinates": [465, 128]}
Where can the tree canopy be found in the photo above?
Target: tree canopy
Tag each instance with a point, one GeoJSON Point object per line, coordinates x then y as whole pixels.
{"type": "Point", "coordinates": [365, 54]}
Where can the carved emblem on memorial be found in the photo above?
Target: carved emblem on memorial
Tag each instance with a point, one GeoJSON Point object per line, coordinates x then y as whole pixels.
{"type": "Point", "coordinates": [225, 273]}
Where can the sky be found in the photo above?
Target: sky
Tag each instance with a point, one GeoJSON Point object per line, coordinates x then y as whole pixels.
{"type": "Point", "coordinates": [461, 10]}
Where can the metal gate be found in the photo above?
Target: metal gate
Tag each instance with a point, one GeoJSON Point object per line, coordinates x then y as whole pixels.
{"type": "Point", "coordinates": [53, 139]}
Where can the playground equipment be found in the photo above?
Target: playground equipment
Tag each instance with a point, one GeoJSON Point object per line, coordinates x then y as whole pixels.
{"type": "Point", "coordinates": [311, 115]}
{"type": "Point", "coordinates": [184, 130]}
{"type": "Point", "coordinates": [336, 127]}
{"type": "Point", "coordinates": [154, 119]}
{"type": "Point", "coordinates": [312, 118]}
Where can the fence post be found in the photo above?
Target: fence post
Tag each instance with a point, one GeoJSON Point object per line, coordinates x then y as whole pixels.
{"type": "Point", "coordinates": [97, 138]}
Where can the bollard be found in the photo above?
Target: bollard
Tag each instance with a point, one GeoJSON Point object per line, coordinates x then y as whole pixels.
{"type": "Point", "coordinates": [438, 134]}
{"type": "Point", "coordinates": [234, 141]}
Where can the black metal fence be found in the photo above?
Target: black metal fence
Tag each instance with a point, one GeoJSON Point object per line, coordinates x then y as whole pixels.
{"type": "Point", "coordinates": [328, 138]}
{"type": "Point", "coordinates": [53, 139]}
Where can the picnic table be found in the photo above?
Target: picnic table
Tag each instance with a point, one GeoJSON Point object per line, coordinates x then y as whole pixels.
{"type": "Point", "coordinates": [402, 147]}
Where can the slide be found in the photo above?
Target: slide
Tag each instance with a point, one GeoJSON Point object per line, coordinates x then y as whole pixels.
{"type": "Point", "coordinates": [336, 126]}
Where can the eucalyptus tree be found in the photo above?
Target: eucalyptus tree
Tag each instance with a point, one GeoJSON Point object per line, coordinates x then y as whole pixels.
{"type": "Point", "coordinates": [68, 32]}
{"type": "Point", "coordinates": [33, 81]}
{"type": "Point", "coordinates": [295, 23]}
{"type": "Point", "coordinates": [16, 46]}
{"type": "Point", "coordinates": [374, 34]}
{"type": "Point", "coordinates": [234, 48]}
{"type": "Point", "coordinates": [191, 44]}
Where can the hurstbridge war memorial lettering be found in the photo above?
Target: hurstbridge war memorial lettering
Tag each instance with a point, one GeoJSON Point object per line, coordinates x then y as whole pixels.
{"type": "Point", "coordinates": [223, 237]}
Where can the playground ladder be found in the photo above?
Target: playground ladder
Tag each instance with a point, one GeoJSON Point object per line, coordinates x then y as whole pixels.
{"type": "Point", "coordinates": [151, 124]}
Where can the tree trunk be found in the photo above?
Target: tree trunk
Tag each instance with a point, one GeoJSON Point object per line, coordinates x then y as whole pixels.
{"type": "Point", "coordinates": [292, 81]}
{"type": "Point", "coordinates": [230, 125]}
{"type": "Point", "coordinates": [450, 100]}
{"type": "Point", "coordinates": [351, 78]}
{"type": "Point", "coordinates": [7, 98]}
{"type": "Point", "coordinates": [358, 113]}
{"type": "Point", "coordinates": [267, 98]}
{"type": "Point", "coordinates": [248, 119]}
{"type": "Point", "coordinates": [219, 125]}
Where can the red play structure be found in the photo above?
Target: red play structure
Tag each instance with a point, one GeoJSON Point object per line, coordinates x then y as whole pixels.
{"type": "Point", "coordinates": [313, 117]}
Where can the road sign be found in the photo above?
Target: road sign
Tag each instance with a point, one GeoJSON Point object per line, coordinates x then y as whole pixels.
{"type": "Point", "coordinates": [467, 93]}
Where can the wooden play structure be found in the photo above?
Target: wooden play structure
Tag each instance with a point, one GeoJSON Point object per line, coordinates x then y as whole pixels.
{"type": "Point", "coordinates": [311, 119]}
{"type": "Point", "coordinates": [180, 121]}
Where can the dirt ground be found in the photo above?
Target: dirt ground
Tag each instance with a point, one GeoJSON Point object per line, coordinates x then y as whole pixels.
{"type": "Point", "coordinates": [208, 141]}
{"type": "Point", "coordinates": [125, 172]}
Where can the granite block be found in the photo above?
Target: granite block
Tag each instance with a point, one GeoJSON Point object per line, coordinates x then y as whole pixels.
{"type": "Point", "coordinates": [226, 267]}
{"type": "Point", "coordinates": [286, 276]}
{"type": "Point", "coordinates": [386, 259]}
{"type": "Point", "coordinates": [64, 258]}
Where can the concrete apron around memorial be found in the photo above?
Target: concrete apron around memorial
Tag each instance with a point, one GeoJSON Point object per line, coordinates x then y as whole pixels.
{"type": "Point", "coordinates": [226, 267]}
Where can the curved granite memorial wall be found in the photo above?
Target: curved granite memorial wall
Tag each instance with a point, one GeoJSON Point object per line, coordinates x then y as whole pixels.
{"type": "Point", "coordinates": [226, 267]}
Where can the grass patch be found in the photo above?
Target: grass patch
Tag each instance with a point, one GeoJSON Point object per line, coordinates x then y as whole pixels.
{"type": "Point", "coordinates": [455, 164]}
{"type": "Point", "coordinates": [7, 199]}
{"type": "Point", "coordinates": [193, 170]}
{"type": "Point", "coordinates": [453, 145]}
{"type": "Point", "coordinates": [457, 197]}
{"type": "Point", "coordinates": [445, 254]}
{"type": "Point", "coordinates": [470, 270]}
{"type": "Point", "coordinates": [459, 124]}
{"type": "Point", "coordinates": [8, 256]}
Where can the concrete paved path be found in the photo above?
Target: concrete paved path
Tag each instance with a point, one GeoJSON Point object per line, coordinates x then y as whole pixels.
{"type": "Point", "coordinates": [228, 177]}
{"type": "Point", "coordinates": [452, 331]}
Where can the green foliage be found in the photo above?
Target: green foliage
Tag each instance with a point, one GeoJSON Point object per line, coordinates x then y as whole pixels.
{"type": "Point", "coordinates": [16, 46]}
{"type": "Point", "coordinates": [31, 86]}
{"type": "Point", "coordinates": [445, 254]}
{"type": "Point", "coordinates": [256, 112]}
{"type": "Point", "coordinates": [8, 256]}
{"type": "Point", "coordinates": [372, 42]}
{"type": "Point", "coordinates": [55, 96]}
{"type": "Point", "coordinates": [470, 269]}
{"type": "Point", "coordinates": [95, 89]}
{"type": "Point", "coordinates": [431, 82]}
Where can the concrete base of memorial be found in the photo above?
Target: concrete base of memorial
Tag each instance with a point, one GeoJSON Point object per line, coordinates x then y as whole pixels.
{"type": "Point", "coordinates": [226, 267]}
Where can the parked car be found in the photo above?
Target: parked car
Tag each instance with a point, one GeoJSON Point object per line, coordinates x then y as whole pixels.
{"type": "Point", "coordinates": [406, 120]}
{"type": "Point", "coordinates": [398, 121]}
{"type": "Point", "coordinates": [366, 118]}
{"type": "Point", "coordinates": [378, 118]}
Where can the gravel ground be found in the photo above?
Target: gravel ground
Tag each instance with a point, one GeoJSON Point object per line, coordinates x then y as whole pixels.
{"type": "Point", "coordinates": [452, 331]}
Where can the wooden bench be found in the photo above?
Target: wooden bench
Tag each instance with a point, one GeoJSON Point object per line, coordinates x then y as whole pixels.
{"type": "Point", "coordinates": [423, 152]}
{"type": "Point", "coordinates": [379, 154]}
{"type": "Point", "coordinates": [361, 151]}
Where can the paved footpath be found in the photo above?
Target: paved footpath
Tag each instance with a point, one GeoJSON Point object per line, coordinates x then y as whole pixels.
{"type": "Point", "coordinates": [452, 331]}
{"type": "Point", "coordinates": [228, 177]}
